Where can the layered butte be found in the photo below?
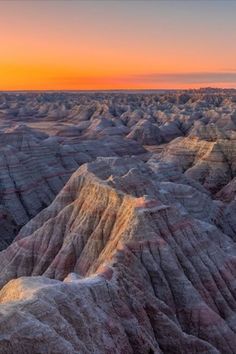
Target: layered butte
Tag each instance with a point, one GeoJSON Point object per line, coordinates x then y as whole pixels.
{"type": "Point", "coordinates": [118, 213]}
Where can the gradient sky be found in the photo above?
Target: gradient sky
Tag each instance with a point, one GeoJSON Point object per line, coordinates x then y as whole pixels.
{"type": "Point", "coordinates": [117, 44]}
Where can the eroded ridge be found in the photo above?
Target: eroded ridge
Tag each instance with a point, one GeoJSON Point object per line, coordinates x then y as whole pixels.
{"type": "Point", "coordinates": [120, 262]}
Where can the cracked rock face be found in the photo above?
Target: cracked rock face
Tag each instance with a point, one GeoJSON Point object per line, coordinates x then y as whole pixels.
{"type": "Point", "coordinates": [132, 249]}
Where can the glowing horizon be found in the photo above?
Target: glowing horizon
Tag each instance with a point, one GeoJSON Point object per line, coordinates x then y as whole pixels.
{"type": "Point", "coordinates": [61, 45]}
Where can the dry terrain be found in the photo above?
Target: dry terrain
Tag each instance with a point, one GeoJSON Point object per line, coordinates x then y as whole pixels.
{"type": "Point", "coordinates": [118, 222]}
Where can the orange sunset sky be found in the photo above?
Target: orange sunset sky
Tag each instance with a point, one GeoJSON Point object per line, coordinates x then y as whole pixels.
{"type": "Point", "coordinates": [117, 44]}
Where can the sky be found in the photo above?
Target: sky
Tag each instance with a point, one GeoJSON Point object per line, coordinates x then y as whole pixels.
{"type": "Point", "coordinates": [123, 44]}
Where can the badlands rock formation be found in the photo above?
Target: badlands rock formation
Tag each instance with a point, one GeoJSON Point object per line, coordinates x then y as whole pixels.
{"type": "Point", "coordinates": [34, 168]}
{"type": "Point", "coordinates": [124, 209]}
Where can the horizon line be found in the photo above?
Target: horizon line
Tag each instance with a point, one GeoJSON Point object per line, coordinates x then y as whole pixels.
{"type": "Point", "coordinates": [120, 89]}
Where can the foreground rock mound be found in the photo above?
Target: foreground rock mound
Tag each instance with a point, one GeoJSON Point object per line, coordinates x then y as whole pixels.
{"type": "Point", "coordinates": [121, 262]}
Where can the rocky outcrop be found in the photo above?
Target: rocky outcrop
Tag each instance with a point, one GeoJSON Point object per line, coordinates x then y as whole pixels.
{"type": "Point", "coordinates": [143, 269]}
{"type": "Point", "coordinates": [34, 168]}
{"type": "Point", "coordinates": [210, 163]}
{"type": "Point", "coordinates": [146, 133]}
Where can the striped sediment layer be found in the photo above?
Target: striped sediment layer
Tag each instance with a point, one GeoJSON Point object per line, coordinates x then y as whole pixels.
{"type": "Point", "coordinates": [120, 262]}
{"type": "Point", "coordinates": [35, 167]}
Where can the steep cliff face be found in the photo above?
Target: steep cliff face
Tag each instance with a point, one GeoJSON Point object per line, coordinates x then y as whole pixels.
{"type": "Point", "coordinates": [133, 269]}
